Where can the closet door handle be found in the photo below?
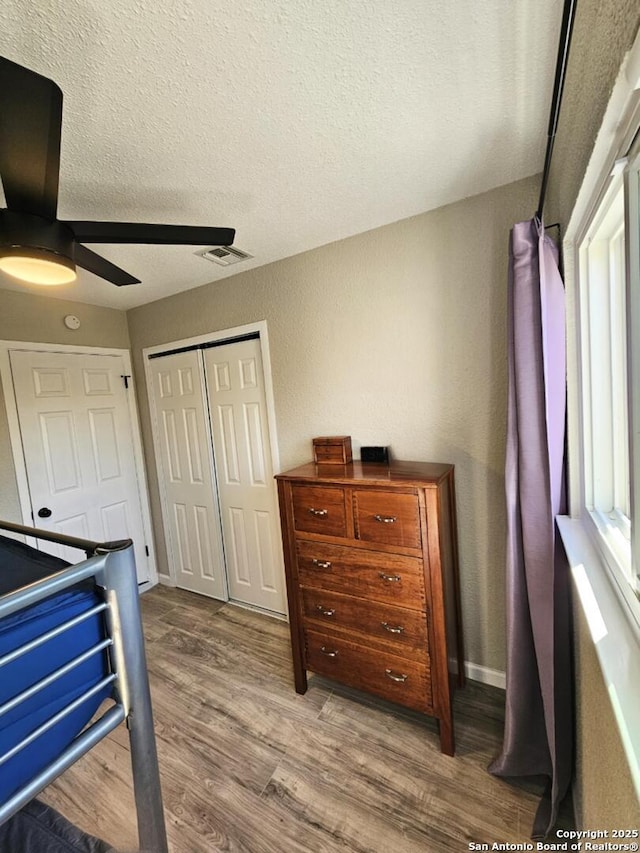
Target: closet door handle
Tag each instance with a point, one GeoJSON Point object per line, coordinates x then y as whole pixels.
{"type": "Point", "coordinates": [392, 629]}
{"type": "Point", "coordinates": [328, 653]}
{"type": "Point", "coordinates": [386, 519]}
{"type": "Point", "coordinates": [326, 611]}
{"type": "Point", "coordinates": [322, 564]}
{"type": "Point", "coordinates": [395, 676]}
{"type": "Point", "coordinates": [389, 578]}
{"type": "Point", "coordinates": [320, 513]}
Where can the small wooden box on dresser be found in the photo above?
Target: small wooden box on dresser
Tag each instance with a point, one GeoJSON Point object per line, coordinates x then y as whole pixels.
{"type": "Point", "coordinates": [371, 563]}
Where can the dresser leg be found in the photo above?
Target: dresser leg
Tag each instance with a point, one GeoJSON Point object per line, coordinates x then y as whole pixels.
{"type": "Point", "coordinates": [300, 679]}
{"type": "Point", "coordinates": [299, 671]}
{"type": "Point", "coordinates": [447, 743]}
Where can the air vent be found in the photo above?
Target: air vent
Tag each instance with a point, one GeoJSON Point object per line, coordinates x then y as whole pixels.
{"type": "Point", "coordinates": [225, 255]}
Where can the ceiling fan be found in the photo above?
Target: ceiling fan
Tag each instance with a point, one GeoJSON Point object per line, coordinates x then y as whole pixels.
{"type": "Point", "coordinates": [35, 246]}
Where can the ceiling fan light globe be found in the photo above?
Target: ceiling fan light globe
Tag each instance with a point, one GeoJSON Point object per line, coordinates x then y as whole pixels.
{"type": "Point", "coordinates": [52, 270]}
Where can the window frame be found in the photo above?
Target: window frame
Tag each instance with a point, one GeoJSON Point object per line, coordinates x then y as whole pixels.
{"type": "Point", "coordinates": [632, 218]}
{"type": "Point", "coordinates": [613, 529]}
{"type": "Point", "coordinates": [603, 290]}
{"type": "Point", "coordinates": [598, 298]}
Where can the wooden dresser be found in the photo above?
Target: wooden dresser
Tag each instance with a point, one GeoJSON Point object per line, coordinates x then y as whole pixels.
{"type": "Point", "coordinates": [372, 579]}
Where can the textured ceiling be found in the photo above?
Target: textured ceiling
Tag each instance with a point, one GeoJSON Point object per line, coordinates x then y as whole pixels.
{"type": "Point", "coordinates": [297, 122]}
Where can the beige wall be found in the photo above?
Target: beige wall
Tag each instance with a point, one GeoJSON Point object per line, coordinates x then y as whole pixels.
{"type": "Point", "coordinates": [39, 319]}
{"type": "Point", "coordinates": [603, 33]}
{"type": "Point", "coordinates": [604, 794]}
{"type": "Point", "coordinates": [398, 337]}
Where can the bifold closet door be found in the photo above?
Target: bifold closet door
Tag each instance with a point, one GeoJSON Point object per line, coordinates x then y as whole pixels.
{"type": "Point", "coordinates": [191, 515]}
{"type": "Point", "coordinates": [250, 520]}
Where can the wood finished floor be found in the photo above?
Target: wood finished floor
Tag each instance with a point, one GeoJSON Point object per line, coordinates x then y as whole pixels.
{"type": "Point", "coordinates": [248, 765]}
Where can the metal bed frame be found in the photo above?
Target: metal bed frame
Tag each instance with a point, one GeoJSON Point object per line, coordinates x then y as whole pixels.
{"type": "Point", "coordinates": [112, 565]}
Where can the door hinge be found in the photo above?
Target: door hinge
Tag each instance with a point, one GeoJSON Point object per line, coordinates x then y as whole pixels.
{"type": "Point", "coordinates": [146, 550]}
{"type": "Point", "coordinates": [126, 377]}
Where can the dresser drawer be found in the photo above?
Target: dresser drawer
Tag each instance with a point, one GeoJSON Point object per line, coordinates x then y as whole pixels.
{"type": "Point", "coordinates": [391, 578]}
{"type": "Point", "coordinates": [406, 630]}
{"type": "Point", "coordinates": [388, 518]}
{"type": "Point", "coordinates": [390, 676]}
{"type": "Point", "coordinates": [319, 509]}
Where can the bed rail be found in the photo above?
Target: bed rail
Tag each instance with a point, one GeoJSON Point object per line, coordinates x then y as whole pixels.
{"type": "Point", "coordinates": [112, 565]}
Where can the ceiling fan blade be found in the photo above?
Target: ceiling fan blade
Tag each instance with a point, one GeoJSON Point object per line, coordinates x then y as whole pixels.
{"type": "Point", "coordinates": [30, 127]}
{"type": "Point", "coordinates": [141, 233]}
{"type": "Point", "coordinates": [100, 266]}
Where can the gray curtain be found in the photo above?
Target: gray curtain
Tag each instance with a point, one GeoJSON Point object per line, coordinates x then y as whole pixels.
{"type": "Point", "coordinates": [538, 739]}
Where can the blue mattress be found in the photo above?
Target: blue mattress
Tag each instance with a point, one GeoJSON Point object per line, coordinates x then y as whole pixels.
{"type": "Point", "coordinates": [21, 565]}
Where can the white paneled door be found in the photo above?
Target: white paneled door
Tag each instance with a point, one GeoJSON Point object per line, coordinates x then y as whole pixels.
{"type": "Point", "coordinates": [76, 433]}
{"type": "Point", "coordinates": [183, 444]}
{"type": "Point", "coordinates": [250, 521]}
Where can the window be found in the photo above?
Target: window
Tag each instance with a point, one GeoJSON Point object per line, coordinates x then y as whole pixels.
{"type": "Point", "coordinates": [609, 293]}
{"type": "Point", "coordinates": [601, 534]}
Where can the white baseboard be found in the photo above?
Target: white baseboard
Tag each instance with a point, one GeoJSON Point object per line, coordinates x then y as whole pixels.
{"type": "Point", "coordinates": [484, 674]}
{"type": "Point", "coordinates": [494, 677]}
{"type": "Point", "coordinates": [167, 580]}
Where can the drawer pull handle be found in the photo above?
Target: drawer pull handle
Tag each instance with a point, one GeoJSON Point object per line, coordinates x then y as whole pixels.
{"type": "Point", "coordinates": [386, 519]}
{"type": "Point", "coordinates": [392, 629]}
{"type": "Point", "coordinates": [322, 564]}
{"type": "Point", "coordinates": [321, 513]}
{"type": "Point", "coordinates": [329, 654]}
{"type": "Point", "coordinates": [394, 676]}
{"type": "Point", "coordinates": [326, 611]}
{"type": "Point", "coordinates": [390, 578]}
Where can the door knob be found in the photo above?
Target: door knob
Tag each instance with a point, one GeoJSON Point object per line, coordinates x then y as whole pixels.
{"type": "Point", "coordinates": [44, 512]}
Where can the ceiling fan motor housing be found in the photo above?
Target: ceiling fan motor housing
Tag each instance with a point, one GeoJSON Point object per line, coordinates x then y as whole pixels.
{"type": "Point", "coordinates": [25, 233]}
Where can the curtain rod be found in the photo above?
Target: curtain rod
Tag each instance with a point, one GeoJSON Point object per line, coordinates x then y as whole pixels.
{"type": "Point", "coordinates": [566, 29]}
